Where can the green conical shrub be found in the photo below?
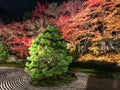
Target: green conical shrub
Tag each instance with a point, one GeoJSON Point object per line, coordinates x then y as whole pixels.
{"type": "Point", "coordinates": [48, 55]}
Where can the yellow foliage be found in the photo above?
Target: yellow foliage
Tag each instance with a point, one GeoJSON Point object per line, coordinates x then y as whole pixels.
{"type": "Point", "coordinates": [111, 57]}
{"type": "Point", "coordinates": [95, 50]}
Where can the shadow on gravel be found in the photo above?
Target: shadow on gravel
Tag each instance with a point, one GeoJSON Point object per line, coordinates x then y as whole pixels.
{"type": "Point", "coordinates": [98, 68]}
{"type": "Point", "coordinates": [102, 84]}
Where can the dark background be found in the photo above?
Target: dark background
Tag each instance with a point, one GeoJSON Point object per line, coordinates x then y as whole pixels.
{"type": "Point", "coordinates": [13, 10]}
{"type": "Point", "coordinates": [18, 7]}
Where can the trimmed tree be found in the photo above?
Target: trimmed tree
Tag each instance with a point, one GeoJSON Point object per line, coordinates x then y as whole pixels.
{"type": "Point", "coordinates": [48, 55]}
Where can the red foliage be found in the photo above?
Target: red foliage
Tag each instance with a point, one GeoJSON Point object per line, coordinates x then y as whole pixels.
{"type": "Point", "coordinates": [78, 24]}
{"type": "Point", "coordinates": [25, 40]}
{"type": "Point", "coordinates": [16, 38]}
{"type": "Point", "coordinates": [71, 6]}
{"type": "Point", "coordinates": [57, 14]}
{"type": "Point", "coordinates": [21, 49]}
{"type": "Point", "coordinates": [19, 36]}
{"type": "Point", "coordinates": [63, 20]}
{"type": "Point", "coordinates": [93, 3]}
{"type": "Point", "coordinates": [68, 9]}
{"type": "Point", "coordinates": [39, 10]}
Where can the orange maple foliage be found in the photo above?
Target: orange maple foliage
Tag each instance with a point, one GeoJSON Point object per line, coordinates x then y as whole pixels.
{"type": "Point", "coordinates": [94, 31]}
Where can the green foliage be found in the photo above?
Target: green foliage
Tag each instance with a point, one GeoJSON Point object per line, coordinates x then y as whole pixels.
{"type": "Point", "coordinates": [48, 55]}
{"type": "Point", "coordinates": [3, 53]}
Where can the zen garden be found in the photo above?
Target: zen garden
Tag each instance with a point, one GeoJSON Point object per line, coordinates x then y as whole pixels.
{"type": "Point", "coordinates": [61, 45]}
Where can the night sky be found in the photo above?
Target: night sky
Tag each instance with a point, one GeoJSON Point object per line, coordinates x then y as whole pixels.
{"type": "Point", "coordinates": [14, 9]}
{"type": "Point", "coordinates": [18, 6]}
